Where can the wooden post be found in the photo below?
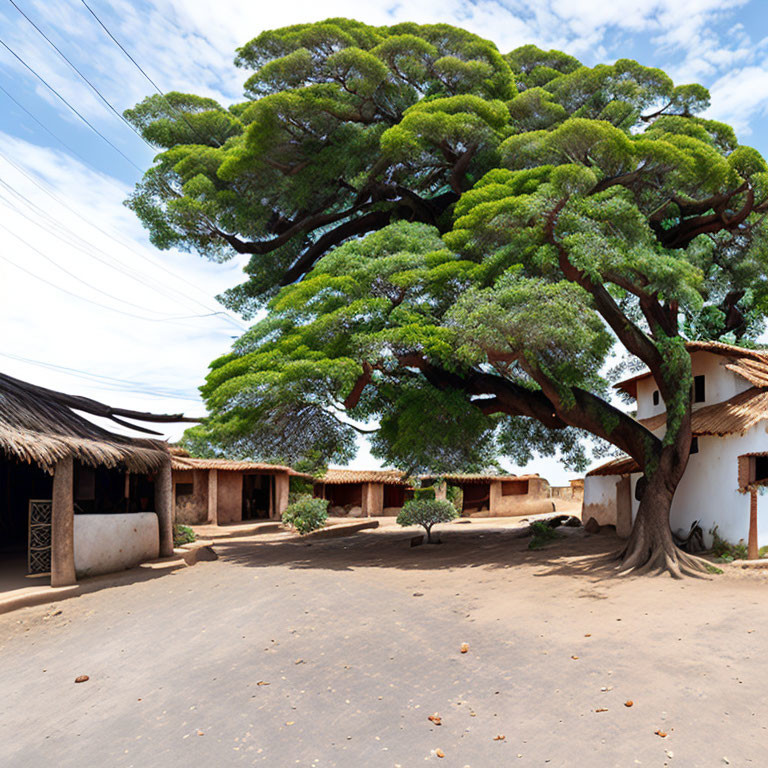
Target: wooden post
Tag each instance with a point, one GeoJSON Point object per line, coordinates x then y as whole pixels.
{"type": "Point", "coordinates": [164, 508]}
{"type": "Point", "coordinates": [213, 499]}
{"type": "Point", "coordinates": [282, 489]}
{"type": "Point", "coordinates": [752, 548]}
{"type": "Point", "coordinates": [63, 525]}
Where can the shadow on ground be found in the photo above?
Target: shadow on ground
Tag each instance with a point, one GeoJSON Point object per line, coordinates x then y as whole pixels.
{"type": "Point", "coordinates": [576, 554]}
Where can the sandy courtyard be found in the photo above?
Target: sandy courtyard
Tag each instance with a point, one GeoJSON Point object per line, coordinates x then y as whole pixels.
{"type": "Point", "coordinates": [335, 654]}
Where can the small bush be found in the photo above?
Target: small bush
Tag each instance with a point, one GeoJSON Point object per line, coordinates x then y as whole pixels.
{"type": "Point", "coordinates": [182, 534]}
{"type": "Point", "coordinates": [541, 534]}
{"type": "Point", "coordinates": [306, 514]}
{"type": "Point", "coordinates": [726, 552]}
{"type": "Point", "coordinates": [426, 513]}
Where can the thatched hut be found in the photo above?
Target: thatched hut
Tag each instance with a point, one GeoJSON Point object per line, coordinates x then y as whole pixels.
{"type": "Point", "coordinates": [221, 491]}
{"type": "Point", "coordinates": [75, 498]}
{"type": "Point", "coordinates": [364, 493]}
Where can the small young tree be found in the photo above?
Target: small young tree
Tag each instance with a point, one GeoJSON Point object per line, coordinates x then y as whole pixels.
{"type": "Point", "coordinates": [426, 512]}
{"type": "Point", "coordinates": [306, 514]}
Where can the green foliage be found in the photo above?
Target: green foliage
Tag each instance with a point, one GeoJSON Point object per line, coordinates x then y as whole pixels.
{"type": "Point", "coordinates": [542, 534]}
{"type": "Point", "coordinates": [431, 223]}
{"type": "Point", "coordinates": [182, 534]}
{"type": "Point", "coordinates": [306, 514]}
{"type": "Point", "coordinates": [299, 487]}
{"type": "Point", "coordinates": [726, 552]}
{"type": "Point", "coordinates": [426, 513]}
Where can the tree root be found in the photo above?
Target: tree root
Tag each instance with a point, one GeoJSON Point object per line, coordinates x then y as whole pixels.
{"type": "Point", "coordinates": [661, 559]}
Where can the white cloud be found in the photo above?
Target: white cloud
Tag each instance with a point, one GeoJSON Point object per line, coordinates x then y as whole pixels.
{"type": "Point", "coordinates": [41, 322]}
{"type": "Point", "coordinates": [739, 97]}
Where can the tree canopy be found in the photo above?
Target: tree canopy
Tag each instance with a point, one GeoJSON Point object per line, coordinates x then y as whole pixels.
{"type": "Point", "coordinates": [450, 241]}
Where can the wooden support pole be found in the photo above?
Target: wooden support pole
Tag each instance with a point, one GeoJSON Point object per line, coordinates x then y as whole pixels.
{"type": "Point", "coordinates": [213, 497]}
{"type": "Point", "coordinates": [164, 508]}
{"type": "Point", "coordinates": [752, 548]}
{"type": "Point", "coordinates": [63, 525]}
{"type": "Point", "coordinates": [282, 489]}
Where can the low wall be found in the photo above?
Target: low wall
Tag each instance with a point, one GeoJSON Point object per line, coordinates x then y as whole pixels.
{"type": "Point", "coordinates": [107, 543]}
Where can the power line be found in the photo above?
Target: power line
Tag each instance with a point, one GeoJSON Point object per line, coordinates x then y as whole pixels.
{"type": "Point", "coordinates": [117, 240]}
{"type": "Point", "coordinates": [62, 99]}
{"type": "Point", "coordinates": [84, 298]}
{"type": "Point", "coordinates": [63, 269]}
{"type": "Point", "coordinates": [78, 72]}
{"type": "Point", "coordinates": [151, 81]}
{"type": "Point", "coordinates": [106, 381]}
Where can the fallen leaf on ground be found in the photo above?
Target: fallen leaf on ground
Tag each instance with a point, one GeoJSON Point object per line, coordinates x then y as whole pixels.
{"type": "Point", "coordinates": [574, 657]}
{"type": "Point", "coordinates": [299, 661]}
{"type": "Point", "coordinates": [464, 647]}
{"type": "Point", "coordinates": [440, 753]}
{"type": "Point", "coordinates": [82, 679]}
{"type": "Point", "coordinates": [436, 719]}
{"type": "Point", "coordinates": [290, 722]}
{"type": "Point", "coordinates": [661, 733]}
{"type": "Point", "coordinates": [499, 738]}
{"type": "Point", "coordinates": [628, 703]}
{"type": "Point", "coordinates": [262, 682]}
{"type": "Point", "coordinates": [418, 594]}
{"type": "Point", "coordinates": [589, 634]}
{"type": "Point", "coordinates": [601, 709]}
{"type": "Point", "coordinates": [200, 733]}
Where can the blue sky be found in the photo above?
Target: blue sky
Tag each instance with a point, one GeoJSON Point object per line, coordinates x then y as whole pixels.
{"type": "Point", "coordinates": [139, 321]}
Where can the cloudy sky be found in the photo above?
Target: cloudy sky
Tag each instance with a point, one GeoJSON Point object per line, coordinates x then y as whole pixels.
{"type": "Point", "coordinates": [88, 306]}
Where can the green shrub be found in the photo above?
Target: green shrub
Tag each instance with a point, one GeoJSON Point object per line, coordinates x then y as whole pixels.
{"type": "Point", "coordinates": [306, 513]}
{"type": "Point", "coordinates": [426, 513]}
{"type": "Point", "coordinates": [723, 550]}
{"type": "Point", "coordinates": [541, 534]}
{"type": "Point", "coordinates": [182, 534]}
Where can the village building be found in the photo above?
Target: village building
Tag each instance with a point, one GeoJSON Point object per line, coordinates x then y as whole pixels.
{"type": "Point", "coordinates": [221, 491]}
{"type": "Point", "coordinates": [486, 495]}
{"type": "Point", "coordinates": [363, 493]}
{"type": "Point", "coordinates": [75, 499]}
{"type": "Point", "coordinates": [729, 454]}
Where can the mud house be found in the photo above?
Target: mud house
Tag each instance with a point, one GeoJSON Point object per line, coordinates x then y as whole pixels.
{"type": "Point", "coordinates": [363, 493]}
{"type": "Point", "coordinates": [76, 499]}
{"type": "Point", "coordinates": [221, 491]}
{"type": "Point", "coordinates": [729, 455]}
{"type": "Point", "coordinates": [497, 495]}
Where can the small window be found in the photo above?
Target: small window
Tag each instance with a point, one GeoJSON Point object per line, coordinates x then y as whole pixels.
{"type": "Point", "coordinates": [698, 389]}
{"type": "Point", "coordinates": [514, 487]}
{"type": "Point", "coordinates": [185, 489]}
{"type": "Point", "coordinates": [761, 468]}
{"type": "Point", "coordinates": [694, 445]}
{"type": "Point", "coordinates": [656, 397]}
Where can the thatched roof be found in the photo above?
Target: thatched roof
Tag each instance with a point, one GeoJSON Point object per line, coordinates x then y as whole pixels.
{"type": "Point", "coordinates": [41, 426]}
{"type": "Point", "coordinates": [731, 417]}
{"type": "Point", "coordinates": [475, 479]}
{"type": "Point", "coordinates": [347, 476]}
{"type": "Point", "coordinates": [750, 364]}
{"type": "Point", "coordinates": [622, 465]}
{"type": "Point", "coordinates": [231, 465]}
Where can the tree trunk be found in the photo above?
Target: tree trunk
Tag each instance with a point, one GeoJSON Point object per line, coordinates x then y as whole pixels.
{"type": "Point", "coordinates": [651, 548]}
{"type": "Point", "coordinates": [428, 529]}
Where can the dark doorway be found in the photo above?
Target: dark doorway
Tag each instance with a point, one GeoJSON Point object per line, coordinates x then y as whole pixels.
{"type": "Point", "coordinates": [394, 496]}
{"type": "Point", "coordinates": [477, 497]}
{"type": "Point", "coordinates": [20, 483]}
{"type": "Point", "coordinates": [345, 495]}
{"type": "Point", "coordinates": [256, 494]}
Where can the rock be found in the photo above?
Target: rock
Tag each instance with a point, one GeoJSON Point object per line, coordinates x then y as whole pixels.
{"type": "Point", "coordinates": [82, 679]}
{"type": "Point", "coordinates": [592, 526]}
{"type": "Point", "coordinates": [337, 512]}
{"type": "Point", "coordinates": [355, 511]}
{"type": "Point", "coordinates": [568, 520]}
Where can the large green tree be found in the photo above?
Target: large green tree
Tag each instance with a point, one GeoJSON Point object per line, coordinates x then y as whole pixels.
{"type": "Point", "coordinates": [449, 243]}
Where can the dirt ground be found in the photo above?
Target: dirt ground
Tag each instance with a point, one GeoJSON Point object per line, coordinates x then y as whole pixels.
{"type": "Point", "coordinates": [283, 653]}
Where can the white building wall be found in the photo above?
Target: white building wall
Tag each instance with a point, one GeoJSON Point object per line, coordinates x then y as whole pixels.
{"type": "Point", "coordinates": [709, 491]}
{"type": "Point", "coordinates": [107, 543]}
{"type": "Point", "coordinates": [719, 384]}
{"type": "Point", "coordinates": [600, 498]}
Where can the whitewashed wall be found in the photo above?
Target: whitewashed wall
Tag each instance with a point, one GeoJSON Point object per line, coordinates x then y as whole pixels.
{"type": "Point", "coordinates": [107, 543]}
{"type": "Point", "coordinates": [709, 492]}
{"type": "Point", "coordinates": [719, 384]}
{"type": "Point", "coordinates": [600, 498]}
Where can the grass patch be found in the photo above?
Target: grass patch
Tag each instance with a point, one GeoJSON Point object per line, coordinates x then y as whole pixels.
{"type": "Point", "coordinates": [182, 534]}
{"type": "Point", "coordinates": [542, 534]}
{"type": "Point", "coordinates": [714, 569]}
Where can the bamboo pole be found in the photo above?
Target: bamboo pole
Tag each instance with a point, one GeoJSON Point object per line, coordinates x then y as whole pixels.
{"type": "Point", "coordinates": [752, 548]}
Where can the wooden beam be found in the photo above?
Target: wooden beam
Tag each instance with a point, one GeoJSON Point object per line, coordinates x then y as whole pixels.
{"type": "Point", "coordinates": [164, 507]}
{"type": "Point", "coordinates": [752, 548]}
{"type": "Point", "coordinates": [63, 525]}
